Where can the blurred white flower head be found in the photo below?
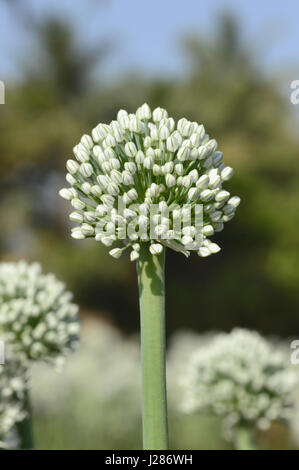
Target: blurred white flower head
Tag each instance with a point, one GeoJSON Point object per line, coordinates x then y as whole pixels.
{"type": "Point", "coordinates": [241, 377]}
{"type": "Point", "coordinates": [12, 388]}
{"type": "Point", "coordinates": [145, 178]}
{"type": "Point", "coordinates": [37, 317]}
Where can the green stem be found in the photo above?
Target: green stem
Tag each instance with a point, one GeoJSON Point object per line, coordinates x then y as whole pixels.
{"type": "Point", "coordinates": [150, 269]}
{"type": "Point", "coordinates": [243, 439]}
{"type": "Point", "coordinates": [24, 428]}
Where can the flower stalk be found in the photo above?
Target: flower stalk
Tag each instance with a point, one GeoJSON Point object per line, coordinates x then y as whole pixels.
{"type": "Point", "coordinates": [150, 269]}
{"type": "Point", "coordinates": [243, 438]}
{"type": "Point", "coordinates": [24, 427]}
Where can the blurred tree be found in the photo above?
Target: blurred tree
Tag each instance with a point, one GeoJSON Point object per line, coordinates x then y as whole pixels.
{"type": "Point", "coordinates": [253, 281]}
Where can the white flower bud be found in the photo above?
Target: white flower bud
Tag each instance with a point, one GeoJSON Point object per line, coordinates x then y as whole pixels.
{"type": "Point", "coordinates": [116, 176]}
{"type": "Point", "coordinates": [77, 204]}
{"type": "Point", "coordinates": [217, 158]}
{"type": "Point", "coordinates": [77, 234]}
{"type": "Point", "coordinates": [66, 193]}
{"type": "Point", "coordinates": [70, 179]}
{"type": "Point", "coordinates": [103, 181]}
{"type": "Point", "coordinates": [187, 240]}
{"type": "Point", "coordinates": [114, 163]}
{"type": "Point", "coordinates": [109, 141]}
{"type": "Point", "coordinates": [157, 170]}
{"type": "Point", "coordinates": [72, 166]}
{"type": "Point", "coordinates": [106, 167]}
{"type": "Point", "coordinates": [116, 131]}
{"type": "Point", "coordinates": [86, 140]}
{"type": "Point", "coordinates": [107, 241]}
{"type": "Point", "coordinates": [130, 149]}
{"type": "Point", "coordinates": [203, 182]}
{"type": "Point", "coordinates": [222, 196]}
{"type": "Point", "coordinates": [124, 123]}
{"type": "Point", "coordinates": [170, 123]}
{"type": "Point", "coordinates": [144, 112]}
{"type": "Point", "coordinates": [136, 247]}
{"type": "Point", "coordinates": [113, 189]}
{"type": "Point", "coordinates": [149, 162]}
{"type": "Point", "coordinates": [167, 168]}
{"type": "Point", "coordinates": [108, 200]}
{"type": "Point", "coordinates": [133, 194]}
{"type": "Point", "coordinates": [164, 133]}
{"type": "Point", "coordinates": [193, 194]}
{"type": "Point", "coordinates": [81, 153]}
{"type": "Point", "coordinates": [154, 190]}
{"type": "Point", "coordinates": [195, 140]}
{"type": "Point", "coordinates": [186, 181]}
{"type": "Point", "coordinates": [101, 210]}
{"type": "Point", "coordinates": [227, 173]}
{"type": "Point", "coordinates": [193, 175]}
{"type": "Point", "coordinates": [203, 252]}
{"type": "Point", "coordinates": [87, 229]}
{"type": "Point", "coordinates": [134, 255]}
{"type": "Point", "coordinates": [156, 248]}
{"type": "Point", "coordinates": [135, 125]}
{"type": "Point", "coordinates": [86, 187]}
{"type": "Point", "coordinates": [206, 195]}
{"type": "Point", "coordinates": [183, 154]}
{"type": "Point", "coordinates": [95, 135]}
{"type": "Point", "coordinates": [214, 181]}
{"type": "Point", "coordinates": [218, 226]}
{"type": "Point", "coordinates": [130, 167]}
{"type": "Point", "coordinates": [103, 130]}
{"type": "Point", "coordinates": [121, 113]}
{"type": "Point", "coordinates": [203, 152]}
{"type": "Point", "coordinates": [90, 216]}
{"type": "Point", "coordinates": [179, 169]}
{"type": "Point", "coordinates": [127, 178]}
{"type": "Point", "coordinates": [86, 170]}
{"type": "Point", "coordinates": [158, 114]}
{"type": "Point", "coordinates": [76, 217]}
{"type": "Point", "coordinates": [109, 153]}
{"type": "Point", "coordinates": [147, 142]}
{"type": "Point", "coordinates": [116, 253]}
{"type": "Point", "coordinates": [154, 134]}
{"type": "Point", "coordinates": [208, 230]}
{"type": "Point", "coordinates": [214, 248]}
{"type": "Point", "coordinates": [170, 180]}
{"type": "Point", "coordinates": [172, 143]}
{"type": "Point", "coordinates": [158, 154]}
{"type": "Point", "coordinates": [228, 217]}
{"type": "Point", "coordinates": [234, 201]}
{"type": "Point", "coordinates": [216, 216]}
{"type": "Point", "coordinates": [139, 157]}
{"type": "Point", "coordinates": [208, 162]}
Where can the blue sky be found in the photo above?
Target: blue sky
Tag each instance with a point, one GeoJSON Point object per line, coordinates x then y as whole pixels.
{"type": "Point", "coordinates": [146, 33]}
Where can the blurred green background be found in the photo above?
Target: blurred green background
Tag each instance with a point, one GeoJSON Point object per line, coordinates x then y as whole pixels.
{"type": "Point", "coordinates": [58, 88]}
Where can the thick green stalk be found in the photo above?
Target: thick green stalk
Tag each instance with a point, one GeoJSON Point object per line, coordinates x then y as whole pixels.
{"type": "Point", "coordinates": [243, 439]}
{"type": "Point", "coordinates": [150, 269]}
{"type": "Point", "coordinates": [24, 428]}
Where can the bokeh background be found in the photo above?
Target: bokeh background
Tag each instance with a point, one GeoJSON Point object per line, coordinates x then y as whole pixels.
{"type": "Point", "coordinates": [228, 64]}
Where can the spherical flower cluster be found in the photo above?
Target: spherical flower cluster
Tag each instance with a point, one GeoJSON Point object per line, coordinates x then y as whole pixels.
{"type": "Point", "coordinates": [37, 318]}
{"type": "Point", "coordinates": [12, 390]}
{"type": "Point", "coordinates": [145, 160]}
{"type": "Point", "coordinates": [242, 378]}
